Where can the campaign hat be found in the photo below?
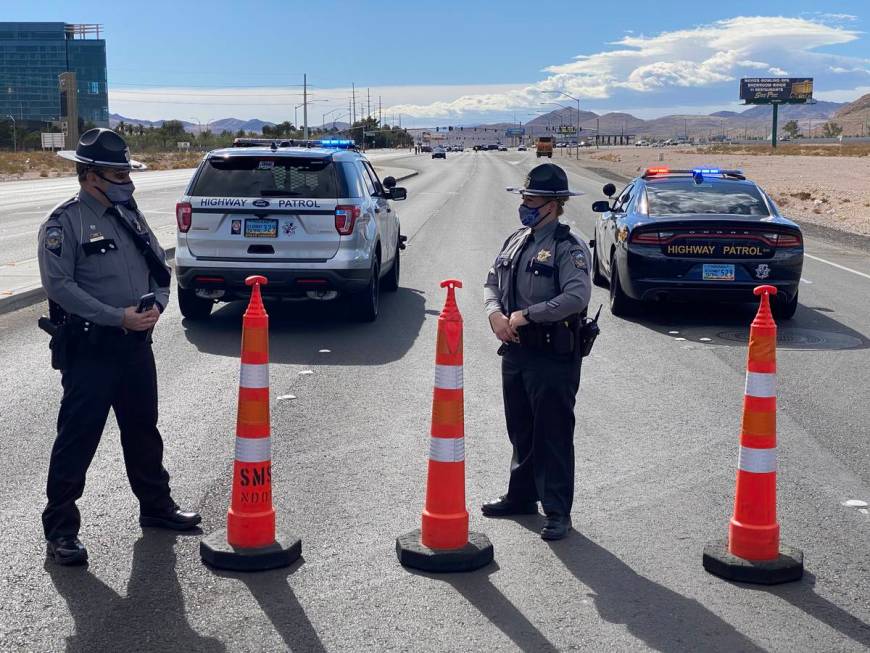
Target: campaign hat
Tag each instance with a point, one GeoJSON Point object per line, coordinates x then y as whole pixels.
{"type": "Point", "coordinates": [103, 148]}
{"type": "Point", "coordinates": [546, 180]}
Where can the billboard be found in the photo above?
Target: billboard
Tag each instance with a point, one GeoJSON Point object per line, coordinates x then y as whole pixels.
{"type": "Point", "coordinates": [515, 131]}
{"type": "Point", "coordinates": [776, 90]}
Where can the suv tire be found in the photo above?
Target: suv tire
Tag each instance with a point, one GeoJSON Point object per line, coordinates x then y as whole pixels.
{"type": "Point", "coordinates": [193, 307]}
{"type": "Point", "coordinates": [597, 278]}
{"type": "Point", "coordinates": [391, 281]}
{"type": "Point", "coordinates": [785, 311]}
{"type": "Point", "coordinates": [364, 305]}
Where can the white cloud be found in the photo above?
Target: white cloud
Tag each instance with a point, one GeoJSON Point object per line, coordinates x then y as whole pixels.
{"type": "Point", "coordinates": [670, 62]}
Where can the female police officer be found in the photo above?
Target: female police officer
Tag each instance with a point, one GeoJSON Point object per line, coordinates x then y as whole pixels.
{"type": "Point", "coordinates": [535, 295]}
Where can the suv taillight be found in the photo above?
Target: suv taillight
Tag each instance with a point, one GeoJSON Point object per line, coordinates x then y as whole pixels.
{"type": "Point", "coordinates": [183, 216]}
{"type": "Point", "coordinates": [345, 218]}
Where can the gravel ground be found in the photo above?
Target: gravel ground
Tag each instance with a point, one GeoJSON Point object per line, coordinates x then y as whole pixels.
{"type": "Point", "coordinates": [830, 191]}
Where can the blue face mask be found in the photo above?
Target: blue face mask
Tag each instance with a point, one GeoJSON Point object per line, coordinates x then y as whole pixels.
{"type": "Point", "coordinates": [530, 217]}
{"type": "Point", "coordinates": [118, 192]}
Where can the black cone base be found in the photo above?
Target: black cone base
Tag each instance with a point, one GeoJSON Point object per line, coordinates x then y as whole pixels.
{"type": "Point", "coordinates": [474, 555]}
{"type": "Point", "coordinates": [788, 566]}
{"type": "Point", "coordinates": [283, 552]}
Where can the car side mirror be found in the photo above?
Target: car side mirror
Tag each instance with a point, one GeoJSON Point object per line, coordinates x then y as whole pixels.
{"type": "Point", "coordinates": [397, 194]}
{"type": "Point", "coordinates": [609, 190]}
{"type": "Point", "coordinates": [601, 206]}
{"type": "Point", "coordinates": [389, 182]}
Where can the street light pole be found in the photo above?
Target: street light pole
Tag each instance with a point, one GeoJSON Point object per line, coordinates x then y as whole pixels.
{"type": "Point", "coordinates": [576, 99]}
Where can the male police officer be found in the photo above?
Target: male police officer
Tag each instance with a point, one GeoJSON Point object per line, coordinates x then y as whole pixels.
{"type": "Point", "coordinates": [535, 296]}
{"type": "Point", "coordinates": [97, 257]}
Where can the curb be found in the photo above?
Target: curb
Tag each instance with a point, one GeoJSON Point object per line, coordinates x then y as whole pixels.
{"type": "Point", "coordinates": [33, 296]}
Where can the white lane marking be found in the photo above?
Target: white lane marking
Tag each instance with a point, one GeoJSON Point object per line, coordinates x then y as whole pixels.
{"type": "Point", "coordinates": [706, 339]}
{"type": "Point", "coordinates": [286, 397]}
{"type": "Point", "coordinates": [306, 372]}
{"type": "Point", "coordinates": [806, 281]}
{"type": "Point", "coordinates": [837, 265]}
{"type": "Point", "coordinates": [680, 339]}
{"type": "Point", "coordinates": [673, 333]}
{"type": "Point", "coordinates": [855, 503]}
{"type": "Point", "coordinates": [515, 163]}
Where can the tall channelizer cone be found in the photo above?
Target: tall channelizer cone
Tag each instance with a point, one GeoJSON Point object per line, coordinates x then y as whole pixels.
{"type": "Point", "coordinates": [443, 544]}
{"type": "Point", "coordinates": [250, 541]}
{"type": "Point", "coordinates": [753, 553]}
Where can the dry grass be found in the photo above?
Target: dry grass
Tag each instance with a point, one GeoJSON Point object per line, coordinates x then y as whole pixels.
{"type": "Point", "coordinates": [32, 165]}
{"type": "Point", "coordinates": [789, 149]}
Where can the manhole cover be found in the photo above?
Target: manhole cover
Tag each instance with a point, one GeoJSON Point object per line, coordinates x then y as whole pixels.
{"type": "Point", "coordinates": [799, 339]}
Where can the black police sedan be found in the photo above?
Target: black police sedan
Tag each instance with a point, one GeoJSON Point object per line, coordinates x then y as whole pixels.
{"type": "Point", "coordinates": [704, 234]}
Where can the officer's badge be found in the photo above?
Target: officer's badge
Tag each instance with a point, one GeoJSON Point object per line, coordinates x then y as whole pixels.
{"type": "Point", "coordinates": [54, 240]}
{"type": "Point", "coordinates": [579, 259]}
{"type": "Point", "coordinates": [543, 255]}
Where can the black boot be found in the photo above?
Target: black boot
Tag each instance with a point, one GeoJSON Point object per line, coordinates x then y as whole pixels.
{"type": "Point", "coordinates": [172, 518]}
{"type": "Point", "coordinates": [556, 527]}
{"type": "Point", "coordinates": [67, 550]}
{"type": "Point", "coordinates": [505, 507]}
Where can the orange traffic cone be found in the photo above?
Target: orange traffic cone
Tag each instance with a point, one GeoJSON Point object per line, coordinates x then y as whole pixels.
{"type": "Point", "coordinates": [753, 552]}
{"type": "Point", "coordinates": [250, 542]}
{"type": "Point", "coordinates": [444, 543]}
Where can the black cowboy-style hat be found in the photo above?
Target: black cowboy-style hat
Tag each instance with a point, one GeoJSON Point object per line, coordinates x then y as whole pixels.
{"type": "Point", "coordinates": [546, 180]}
{"type": "Point", "coordinates": [104, 148]}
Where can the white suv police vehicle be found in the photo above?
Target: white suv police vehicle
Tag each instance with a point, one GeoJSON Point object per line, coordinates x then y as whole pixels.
{"type": "Point", "coordinates": [311, 216]}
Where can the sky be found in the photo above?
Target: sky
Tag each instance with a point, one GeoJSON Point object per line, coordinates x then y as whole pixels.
{"type": "Point", "coordinates": [460, 62]}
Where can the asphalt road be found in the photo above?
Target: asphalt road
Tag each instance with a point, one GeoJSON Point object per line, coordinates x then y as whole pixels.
{"type": "Point", "coordinates": [658, 423]}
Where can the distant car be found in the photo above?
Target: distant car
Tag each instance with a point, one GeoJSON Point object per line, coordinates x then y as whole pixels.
{"type": "Point", "coordinates": [701, 234]}
{"type": "Point", "coordinates": [425, 148]}
{"type": "Point", "coordinates": [522, 148]}
{"type": "Point", "coordinates": [312, 216]}
{"type": "Point", "coordinates": [492, 146]}
{"type": "Point", "coordinates": [439, 152]}
{"type": "Point", "coordinates": [641, 143]}
{"type": "Point", "coordinates": [502, 148]}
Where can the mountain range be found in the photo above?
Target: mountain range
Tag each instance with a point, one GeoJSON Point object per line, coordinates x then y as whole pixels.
{"type": "Point", "coordinates": [755, 121]}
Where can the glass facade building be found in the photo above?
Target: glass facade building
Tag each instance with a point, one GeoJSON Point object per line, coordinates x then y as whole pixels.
{"type": "Point", "coordinates": [33, 55]}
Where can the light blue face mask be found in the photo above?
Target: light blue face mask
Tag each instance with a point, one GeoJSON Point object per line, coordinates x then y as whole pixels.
{"type": "Point", "coordinates": [529, 216]}
{"type": "Point", "coordinates": [119, 192]}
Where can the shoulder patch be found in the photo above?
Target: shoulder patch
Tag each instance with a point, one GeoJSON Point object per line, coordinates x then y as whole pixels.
{"type": "Point", "coordinates": [578, 256]}
{"type": "Point", "coordinates": [54, 240]}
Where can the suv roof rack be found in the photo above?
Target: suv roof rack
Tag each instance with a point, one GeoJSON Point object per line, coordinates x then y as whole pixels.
{"type": "Point", "coordinates": [662, 171]}
{"type": "Point", "coordinates": [275, 143]}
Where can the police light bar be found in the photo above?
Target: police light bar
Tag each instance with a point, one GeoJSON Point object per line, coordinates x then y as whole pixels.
{"type": "Point", "coordinates": [275, 143]}
{"type": "Point", "coordinates": [662, 171]}
{"type": "Point", "coordinates": [339, 143]}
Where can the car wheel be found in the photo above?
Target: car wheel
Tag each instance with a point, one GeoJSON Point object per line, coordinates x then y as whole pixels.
{"type": "Point", "coordinates": [365, 304]}
{"type": "Point", "coordinates": [193, 307]}
{"type": "Point", "coordinates": [391, 281]}
{"type": "Point", "coordinates": [597, 278]}
{"type": "Point", "coordinates": [785, 311]}
{"type": "Point", "coordinates": [621, 305]}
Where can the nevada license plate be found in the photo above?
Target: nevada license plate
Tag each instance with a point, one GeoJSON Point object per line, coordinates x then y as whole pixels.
{"type": "Point", "coordinates": [715, 272]}
{"type": "Point", "coordinates": [261, 228]}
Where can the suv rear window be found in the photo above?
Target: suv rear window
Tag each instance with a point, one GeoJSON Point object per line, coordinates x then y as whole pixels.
{"type": "Point", "coordinates": [248, 176]}
{"type": "Point", "coordinates": [680, 197]}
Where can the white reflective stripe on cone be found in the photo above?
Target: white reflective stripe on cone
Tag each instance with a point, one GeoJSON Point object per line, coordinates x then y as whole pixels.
{"type": "Point", "coordinates": [253, 450]}
{"type": "Point", "coordinates": [447, 450]}
{"type": "Point", "coordinates": [757, 461]}
{"type": "Point", "coordinates": [254, 375]}
{"type": "Point", "coordinates": [760, 384]}
{"type": "Point", "coordinates": [448, 377]}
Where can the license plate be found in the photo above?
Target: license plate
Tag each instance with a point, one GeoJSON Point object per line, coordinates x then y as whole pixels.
{"type": "Point", "coordinates": [261, 228]}
{"type": "Point", "coordinates": [718, 272]}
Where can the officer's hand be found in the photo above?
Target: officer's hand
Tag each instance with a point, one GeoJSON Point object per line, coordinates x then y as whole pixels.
{"type": "Point", "coordinates": [517, 320]}
{"type": "Point", "coordinates": [502, 328]}
{"type": "Point", "coordinates": [134, 321]}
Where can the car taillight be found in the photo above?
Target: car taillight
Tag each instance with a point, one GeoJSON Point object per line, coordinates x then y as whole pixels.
{"type": "Point", "coordinates": [788, 240]}
{"type": "Point", "coordinates": [646, 238]}
{"type": "Point", "coordinates": [345, 218]}
{"type": "Point", "coordinates": [183, 216]}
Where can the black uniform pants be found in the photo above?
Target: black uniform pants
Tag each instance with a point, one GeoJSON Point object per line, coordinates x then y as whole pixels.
{"type": "Point", "coordinates": [539, 394]}
{"type": "Point", "coordinates": [119, 375]}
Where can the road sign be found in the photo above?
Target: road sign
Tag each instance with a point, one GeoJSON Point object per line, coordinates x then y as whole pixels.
{"type": "Point", "coordinates": [515, 131]}
{"type": "Point", "coordinates": [776, 90]}
{"type": "Point", "coordinates": [567, 129]}
{"type": "Point", "coordinates": [52, 141]}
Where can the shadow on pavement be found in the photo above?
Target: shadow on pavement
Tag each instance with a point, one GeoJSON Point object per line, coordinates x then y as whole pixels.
{"type": "Point", "coordinates": [661, 618]}
{"type": "Point", "coordinates": [478, 590]}
{"type": "Point", "coordinates": [298, 330]}
{"type": "Point", "coordinates": [150, 618]}
{"type": "Point", "coordinates": [802, 596]}
{"type": "Point", "coordinates": [279, 603]}
{"type": "Point", "coordinates": [810, 329]}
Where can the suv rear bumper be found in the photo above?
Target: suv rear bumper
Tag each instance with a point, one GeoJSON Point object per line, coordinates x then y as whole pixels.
{"type": "Point", "coordinates": [283, 282]}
